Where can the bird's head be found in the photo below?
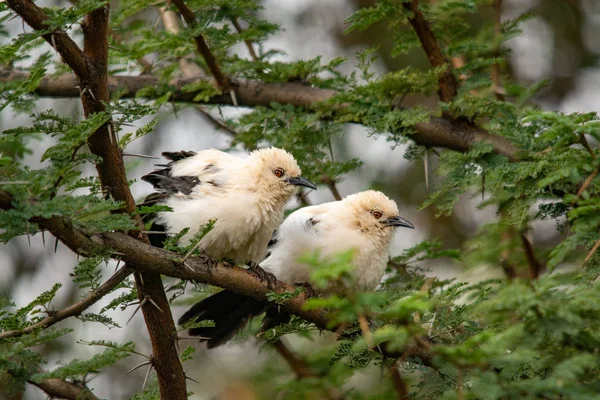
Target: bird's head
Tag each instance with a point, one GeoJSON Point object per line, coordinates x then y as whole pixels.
{"type": "Point", "coordinates": [277, 173]}
{"type": "Point", "coordinates": [375, 214]}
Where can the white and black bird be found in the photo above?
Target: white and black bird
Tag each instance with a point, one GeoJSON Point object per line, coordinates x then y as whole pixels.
{"type": "Point", "coordinates": [245, 196]}
{"type": "Point", "coordinates": [363, 222]}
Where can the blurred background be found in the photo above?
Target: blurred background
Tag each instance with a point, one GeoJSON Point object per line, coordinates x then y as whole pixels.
{"type": "Point", "coordinates": [559, 43]}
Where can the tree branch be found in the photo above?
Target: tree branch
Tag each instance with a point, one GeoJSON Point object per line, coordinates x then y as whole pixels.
{"type": "Point", "coordinates": [248, 43]}
{"type": "Point", "coordinates": [74, 309]}
{"type": "Point", "coordinates": [64, 390]}
{"type": "Point", "coordinates": [190, 69]}
{"type": "Point", "coordinates": [92, 69]}
{"type": "Point", "coordinates": [111, 171]}
{"type": "Point", "coordinates": [398, 381]}
{"type": "Point", "coordinates": [171, 24]}
{"type": "Point", "coordinates": [202, 47]}
{"type": "Point", "coordinates": [149, 259]}
{"type": "Point", "coordinates": [447, 82]}
{"type": "Point", "coordinates": [35, 17]}
{"type": "Point", "coordinates": [438, 132]}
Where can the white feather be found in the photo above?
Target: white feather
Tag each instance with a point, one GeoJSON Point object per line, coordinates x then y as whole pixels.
{"type": "Point", "coordinates": [241, 194]}
{"type": "Point", "coordinates": [337, 228]}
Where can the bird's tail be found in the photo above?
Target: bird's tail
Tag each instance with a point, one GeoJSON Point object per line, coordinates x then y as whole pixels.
{"type": "Point", "coordinates": [229, 311]}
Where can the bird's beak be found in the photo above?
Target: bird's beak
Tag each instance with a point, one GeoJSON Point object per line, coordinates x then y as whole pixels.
{"type": "Point", "coordinates": [398, 221]}
{"type": "Point", "coordinates": [300, 181]}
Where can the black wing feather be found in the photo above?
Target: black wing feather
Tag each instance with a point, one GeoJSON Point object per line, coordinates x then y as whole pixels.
{"type": "Point", "coordinates": [229, 311]}
{"type": "Point", "coordinates": [162, 179]}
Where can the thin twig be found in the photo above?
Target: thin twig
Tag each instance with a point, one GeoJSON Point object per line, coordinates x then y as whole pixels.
{"type": "Point", "coordinates": [302, 370]}
{"type": "Point", "coordinates": [202, 47]}
{"type": "Point", "coordinates": [75, 309]}
{"type": "Point", "coordinates": [364, 327]}
{"type": "Point", "coordinates": [217, 123]}
{"type": "Point", "coordinates": [592, 252]}
{"type": "Point", "coordinates": [248, 43]}
{"type": "Point", "coordinates": [447, 82]}
{"type": "Point", "coordinates": [297, 365]}
{"type": "Point", "coordinates": [331, 185]}
{"type": "Point", "coordinates": [399, 383]}
{"type": "Point", "coordinates": [535, 267]}
{"type": "Point", "coordinates": [496, 77]}
{"type": "Point", "coordinates": [585, 185]}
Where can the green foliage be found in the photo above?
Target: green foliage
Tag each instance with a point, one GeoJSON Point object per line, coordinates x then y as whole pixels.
{"type": "Point", "coordinates": [532, 336]}
{"type": "Point", "coordinates": [78, 369]}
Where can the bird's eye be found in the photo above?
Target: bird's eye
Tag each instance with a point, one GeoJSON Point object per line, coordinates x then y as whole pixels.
{"type": "Point", "coordinates": [279, 172]}
{"type": "Point", "coordinates": [376, 214]}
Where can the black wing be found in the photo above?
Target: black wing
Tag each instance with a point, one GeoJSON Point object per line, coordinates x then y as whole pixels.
{"type": "Point", "coordinates": [162, 179]}
{"type": "Point", "coordinates": [166, 185]}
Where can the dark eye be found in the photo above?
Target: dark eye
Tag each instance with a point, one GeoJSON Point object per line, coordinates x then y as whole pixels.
{"type": "Point", "coordinates": [279, 172]}
{"type": "Point", "coordinates": [376, 214]}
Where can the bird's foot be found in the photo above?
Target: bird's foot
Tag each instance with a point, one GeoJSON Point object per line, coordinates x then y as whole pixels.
{"type": "Point", "coordinates": [263, 275]}
{"type": "Point", "coordinates": [308, 289]}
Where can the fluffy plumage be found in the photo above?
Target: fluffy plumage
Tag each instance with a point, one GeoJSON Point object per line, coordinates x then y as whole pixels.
{"type": "Point", "coordinates": [246, 197]}
{"type": "Point", "coordinates": [363, 221]}
{"type": "Point", "coordinates": [335, 227]}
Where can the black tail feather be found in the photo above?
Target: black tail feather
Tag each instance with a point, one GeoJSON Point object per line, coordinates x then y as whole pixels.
{"type": "Point", "coordinates": [229, 311]}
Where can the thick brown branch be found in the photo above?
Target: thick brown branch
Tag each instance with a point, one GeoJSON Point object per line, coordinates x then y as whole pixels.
{"type": "Point", "coordinates": [447, 83]}
{"type": "Point", "coordinates": [149, 259]}
{"type": "Point", "coordinates": [202, 47]}
{"type": "Point", "coordinates": [35, 17]}
{"type": "Point", "coordinates": [57, 388]}
{"type": "Point", "coordinates": [438, 132]}
{"type": "Point", "coordinates": [75, 309]}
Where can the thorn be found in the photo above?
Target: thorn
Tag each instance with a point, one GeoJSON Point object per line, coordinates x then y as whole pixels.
{"type": "Point", "coordinates": [92, 94]}
{"type": "Point", "coordinates": [426, 166]}
{"type": "Point", "coordinates": [431, 324]}
{"type": "Point", "coordinates": [233, 97]}
{"type": "Point", "coordinates": [136, 310]}
{"type": "Point", "coordinates": [110, 134]}
{"type": "Point", "coordinates": [55, 245]}
{"type": "Point", "coordinates": [191, 251]}
{"type": "Point", "coordinates": [52, 40]}
{"type": "Point", "coordinates": [43, 238]}
{"type": "Point", "coordinates": [140, 155]}
{"type": "Point", "coordinates": [28, 236]}
{"type": "Point", "coordinates": [191, 379]}
{"type": "Point", "coordinates": [147, 375]}
{"type": "Point", "coordinates": [118, 263]}
{"type": "Point", "coordinates": [138, 366]}
{"type": "Point", "coordinates": [187, 266]}
{"type": "Point", "coordinates": [81, 93]}
{"type": "Point", "coordinates": [154, 303]}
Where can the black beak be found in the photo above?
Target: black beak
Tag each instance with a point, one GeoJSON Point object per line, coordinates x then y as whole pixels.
{"type": "Point", "coordinates": [398, 221]}
{"type": "Point", "coordinates": [300, 181]}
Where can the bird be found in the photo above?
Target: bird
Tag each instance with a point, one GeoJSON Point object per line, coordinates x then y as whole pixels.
{"type": "Point", "coordinates": [362, 222]}
{"type": "Point", "coordinates": [244, 196]}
